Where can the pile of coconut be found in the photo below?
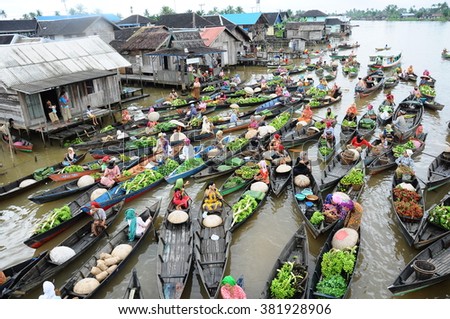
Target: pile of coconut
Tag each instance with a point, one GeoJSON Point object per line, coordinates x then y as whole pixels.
{"type": "Point", "coordinates": [106, 265]}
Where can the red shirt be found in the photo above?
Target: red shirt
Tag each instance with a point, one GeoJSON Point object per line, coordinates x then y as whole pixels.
{"type": "Point", "coordinates": [355, 142]}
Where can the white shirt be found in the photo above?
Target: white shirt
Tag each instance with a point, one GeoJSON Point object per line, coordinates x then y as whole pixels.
{"type": "Point", "coordinates": [187, 152]}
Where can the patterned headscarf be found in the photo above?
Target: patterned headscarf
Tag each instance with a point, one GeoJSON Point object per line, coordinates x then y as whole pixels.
{"type": "Point", "coordinates": [130, 215]}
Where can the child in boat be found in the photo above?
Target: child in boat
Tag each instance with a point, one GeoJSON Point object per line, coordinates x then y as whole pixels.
{"type": "Point", "coordinates": [212, 198]}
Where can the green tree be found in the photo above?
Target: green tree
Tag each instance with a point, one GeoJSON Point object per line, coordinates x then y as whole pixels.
{"type": "Point", "coordinates": [166, 10]}
{"type": "Point", "coordinates": [146, 13]}
{"type": "Point", "coordinates": [214, 11]}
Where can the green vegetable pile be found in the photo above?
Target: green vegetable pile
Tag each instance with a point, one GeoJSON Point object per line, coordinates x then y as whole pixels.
{"type": "Point", "coordinates": [281, 120]}
{"type": "Point", "coordinates": [427, 90]}
{"type": "Point", "coordinates": [367, 123]}
{"type": "Point", "coordinates": [440, 215]}
{"type": "Point", "coordinates": [189, 164]}
{"type": "Point", "coordinates": [324, 150]}
{"type": "Point", "coordinates": [348, 123]}
{"type": "Point", "coordinates": [178, 102]}
{"type": "Point", "coordinates": [168, 167]}
{"type": "Point", "coordinates": [354, 177]}
{"type": "Point", "coordinates": [233, 182]}
{"type": "Point", "coordinates": [107, 129]}
{"type": "Point", "coordinates": [96, 176]}
{"type": "Point", "coordinates": [247, 172]}
{"type": "Point", "coordinates": [286, 284]}
{"type": "Point", "coordinates": [244, 208]}
{"type": "Point", "coordinates": [42, 173]}
{"type": "Point", "coordinates": [124, 158]}
{"type": "Point", "coordinates": [209, 88]}
{"type": "Point", "coordinates": [317, 218]}
{"type": "Point", "coordinates": [141, 180]}
{"type": "Point", "coordinates": [400, 149]}
{"type": "Point", "coordinates": [164, 127]}
{"type": "Point", "coordinates": [320, 125]}
{"type": "Point", "coordinates": [237, 144]}
{"type": "Point", "coordinates": [94, 166]}
{"type": "Point", "coordinates": [316, 93]}
{"type": "Point", "coordinates": [75, 141]}
{"type": "Point", "coordinates": [144, 141]}
{"type": "Point", "coordinates": [57, 216]}
{"type": "Point", "coordinates": [248, 100]}
{"type": "Point", "coordinates": [72, 169]}
{"type": "Point", "coordinates": [334, 263]}
{"type": "Point", "coordinates": [314, 103]}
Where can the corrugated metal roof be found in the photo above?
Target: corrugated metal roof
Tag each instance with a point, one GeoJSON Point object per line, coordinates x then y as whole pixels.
{"type": "Point", "coordinates": [40, 86]}
{"type": "Point", "coordinates": [210, 34]}
{"type": "Point", "coordinates": [33, 62]}
{"type": "Point", "coordinates": [243, 18]}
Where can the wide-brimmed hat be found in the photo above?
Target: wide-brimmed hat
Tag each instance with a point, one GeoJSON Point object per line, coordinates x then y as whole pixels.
{"type": "Point", "coordinates": [212, 221]}
{"type": "Point", "coordinates": [178, 123]}
{"type": "Point", "coordinates": [234, 106]}
{"type": "Point", "coordinates": [161, 134]}
{"type": "Point", "coordinates": [177, 217]}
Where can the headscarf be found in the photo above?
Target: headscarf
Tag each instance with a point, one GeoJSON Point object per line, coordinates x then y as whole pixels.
{"type": "Point", "coordinates": [187, 141]}
{"type": "Point", "coordinates": [49, 290]}
{"type": "Point", "coordinates": [370, 106]}
{"type": "Point", "coordinates": [228, 280]}
{"type": "Point", "coordinates": [95, 204]}
{"type": "Point", "coordinates": [263, 164]}
{"type": "Point", "coordinates": [178, 184]}
{"type": "Point", "coordinates": [130, 215]}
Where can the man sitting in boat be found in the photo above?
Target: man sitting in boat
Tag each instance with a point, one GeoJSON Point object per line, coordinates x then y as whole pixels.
{"type": "Point", "coordinates": [410, 70]}
{"type": "Point", "coordinates": [400, 122]}
{"type": "Point", "coordinates": [280, 156]}
{"type": "Point", "coordinates": [361, 86]}
{"type": "Point", "coordinates": [306, 118]}
{"type": "Point", "coordinates": [386, 135]}
{"type": "Point", "coordinates": [180, 198]}
{"type": "Point", "coordinates": [405, 165]}
{"type": "Point", "coordinates": [334, 93]}
{"type": "Point", "coordinates": [302, 165]}
{"type": "Point", "coordinates": [212, 200]}
{"type": "Point", "coordinates": [329, 117]}
{"type": "Point", "coordinates": [187, 152]}
{"type": "Point", "coordinates": [99, 216]}
{"type": "Point", "coordinates": [328, 134]}
{"type": "Point", "coordinates": [70, 157]}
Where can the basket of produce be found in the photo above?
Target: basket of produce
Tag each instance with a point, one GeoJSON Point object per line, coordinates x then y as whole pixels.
{"type": "Point", "coordinates": [440, 216]}
{"type": "Point", "coordinates": [347, 157]}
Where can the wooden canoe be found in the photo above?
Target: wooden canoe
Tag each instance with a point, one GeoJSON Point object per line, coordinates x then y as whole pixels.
{"type": "Point", "coordinates": [294, 136]}
{"type": "Point", "coordinates": [438, 254]}
{"type": "Point", "coordinates": [260, 201]}
{"type": "Point", "coordinates": [438, 171]}
{"type": "Point", "coordinates": [18, 143]}
{"type": "Point", "coordinates": [134, 289]}
{"type": "Point", "coordinates": [414, 113]}
{"type": "Point", "coordinates": [235, 182]}
{"type": "Point", "coordinates": [175, 254]}
{"type": "Point", "coordinates": [212, 250]}
{"type": "Point", "coordinates": [40, 177]}
{"type": "Point", "coordinates": [348, 132]}
{"type": "Point", "coordinates": [408, 226]}
{"type": "Point", "coordinates": [354, 192]}
{"type": "Point", "coordinates": [387, 118]}
{"type": "Point", "coordinates": [428, 231]}
{"type": "Point", "coordinates": [312, 292]}
{"type": "Point", "coordinates": [334, 171]}
{"type": "Point", "coordinates": [278, 181]}
{"type": "Point", "coordinates": [433, 105]}
{"type": "Point", "coordinates": [365, 128]}
{"type": "Point", "coordinates": [79, 242]}
{"type": "Point", "coordinates": [118, 238]}
{"type": "Point", "coordinates": [322, 147]}
{"type": "Point", "coordinates": [378, 79]}
{"type": "Point", "coordinates": [295, 251]}
{"type": "Point", "coordinates": [38, 239]}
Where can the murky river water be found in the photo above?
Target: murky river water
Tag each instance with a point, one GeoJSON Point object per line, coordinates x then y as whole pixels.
{"type": "Point", "coordinates": [258, 242]}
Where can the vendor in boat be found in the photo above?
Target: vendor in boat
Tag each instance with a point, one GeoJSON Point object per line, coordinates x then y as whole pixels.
{"type": "Point", "coordinates": [162, 147]}
{"type": "Point", "coordinates": [361, 85]}
{"type": "Point", "coordinates": [180, 199]}
{"type": "Point", "coordinates": [405, 165]}
{"type": "Point", "coordinates": [275, 142]}
{"type": "Point", "coordinates": [334, 93]}
{"type": "Point", "coordinates": [400, 122]}
{"type": "Point", "coordinates": [187, 152]}
{"type": "Point", "coordinates": [212, 200]}
{"type": "Point", "coordinates": [371, 112]}
{"type": "Point", "coordinates": [329, 117]}
{"type": "Point", "coordinates": [387, 135]}
{"type": "Point", "coordinates": [207, 126]}
{"type": "Point", "coordinates": [323, 84]}
{"type": "Point", "coordinates": [230, 289]}
{"type": "Point", "coordinates": [136, 225]}
{"type": "Point", "coordinates": [196, 89]}
{"type": "Point", "coordinates": [278, 90]}
{"type": "Point", "coordinates": [126, 117]}
{"type": "Point", "coordinates": [351, 112]}
{"type": "Point", "coordinates": [358, 142]}
{"type": "Point", "coordinates": [263, 174]}
{"type": "Point", "coordinates": [302, 165]}
{"type": "Point", "coordinates": [410, 70]}
{"type": "Point", "coordinates": [99, 216]}
{"type": "Point", "coordinates": [445, 51]}
{"type": "Point", "coordinates": [234, 116]}
{"type": "Point", "coordinates": [192, 112]}
{"type": "Point", "coordinates": [263, 84]}
{"type": "Point", "coordinates": [305, 118]}
{"type": "Point", "coordinates": [111, 172]}
{"type": "Point", "coordinates": [419, 134]}
{"type": "Point", "coordinates": [173, 95]}
{"type": "Point", "coordinates": [70, 157]}
{"type": "Point", "coordinates": [219, 140]}
{"type": "Point", "coordinates": [254, 123]}
{"type": "Point", "coordinates": [280, 156]}
{"type": "Point", "coordinates": [328, 134]}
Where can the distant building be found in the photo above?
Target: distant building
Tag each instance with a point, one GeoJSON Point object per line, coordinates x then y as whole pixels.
{"type": "Point", "coordinates": [221, 38]}
{"type": "Point", "coordinates": [23, 27]}
{"type": "Point", "coordinates": [272, 18]}
{"type": "Point", "coordinates": [183, 20]}
{"type": "Point", "coordinates": [313, 16]}
{"type": "Point", "coordinates": [254, 23]}
{"type": "Point", "coordinates": [134, 21]}
{"type": "Point", "coordinates": [308, 31]}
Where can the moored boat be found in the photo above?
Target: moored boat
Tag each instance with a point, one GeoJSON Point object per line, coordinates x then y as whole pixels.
{"type": "Point", "coordinates": [337, 168]}
{"type": "Point", "coordinates": [134, 289]}
{"type": "Point", "coordinates": [18, 143]}
{"type": "Point", "coordinates": [373, 82]}
{"type": "Point", "coordinates": [438, 173]}
{"type": "Point", "coordinates": [384, 61]}
{"type": "Point", "coordinates": [119, 239]}
{"type": "Point", "coordinates": [412, 111]}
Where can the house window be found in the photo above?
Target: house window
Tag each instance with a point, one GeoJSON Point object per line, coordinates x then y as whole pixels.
{"type": "Point", "coordinates": [90, 86]}
{"type": "Point", "coordinates": [35, 109]}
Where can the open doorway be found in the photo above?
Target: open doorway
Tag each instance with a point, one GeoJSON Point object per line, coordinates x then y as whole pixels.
{"type": "Point", "coordinates": [52, 96]}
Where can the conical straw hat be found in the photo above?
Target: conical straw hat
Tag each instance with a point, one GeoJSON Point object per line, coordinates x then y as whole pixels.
{"type": "Point", "coordinates": [212, 221]}
{"type": "Point", "coordinates": [178, 217]}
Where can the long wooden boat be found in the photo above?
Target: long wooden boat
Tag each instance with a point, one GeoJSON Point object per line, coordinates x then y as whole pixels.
{"type": "Point", "coordinates": [79, 242]}
{"type": "Point", "coordinates": [386, 160]}
{"type": "Point", "coordinates": [383, 48]}
{"type": "Point", "coordinates": [109, 138]}
{"type": "Point", "coordinates": [178, 173]}
{"type": "Point", "coordinates": [377, 150]}
{"type": "Point", "coordinates": [175, 254]}
{"type": "Point", "coordinates": [237, 222]}
{"type": "Point", "coordinates": [120, 237]}
{"type": "Point", "coordinates": [334, 171]}
{"type": "Point", "coordinates": [212, 249]}
{"type": "Point", "coordinates": [228, 166]}
{"type": "Point", "coordinates": [14, 273]}
{"type": "Point", "coordinates": [325, 153]}
{"type": "Point", "coordinates": [294, 136]}
{"type": "Point", "coordinates": [348, 132]}
{"type": "Point", "coordinates": [39, 177]}
{"type": "Point", "coordinates": [408, 226]}
{"type": "Point", "coordinates": [411, 77]}
{"type": "Point", "coordinates": [118, 150]}
{"type": "Point", "coordinates": [378, 79]}
{"type": "Point", "coordinates": [278, 181]}
{"type": "Point", "coordinates": [414, 113]}
{"type": "Point", "coordinates": [366, 126]}
{"type": "Point", "coordinates": [38, 239]}
{"type": "Point", "coordinates": [438, 255]}
{"type": "Point", "coordinates": [387, 118]}
{"type": "Point", "coordinates": [18, 143]}
{"type": "Point", "coordinates": [438, 173]}
{"type": "Point", "coordinates": [134, 289]}
{"type": "Point", "coordinates": [390, 82]}
{"type": "Point", "coordinates": [429, 231]}
{"type": "Point", "coordinates": [295, 251]}
{"type": "Point", "coordinates": [317, 275]}
{"type": "Point", "coordinates": [433, 105]}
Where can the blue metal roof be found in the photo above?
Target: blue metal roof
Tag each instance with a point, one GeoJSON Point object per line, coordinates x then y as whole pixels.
{"type": "Point", "coordinates": [243, 18]}
{"type": "Point", "coordinates": [111, 17]}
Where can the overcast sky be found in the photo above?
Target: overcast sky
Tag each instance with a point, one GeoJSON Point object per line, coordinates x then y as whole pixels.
{"type": "Point", "coordinates": [15, 9]}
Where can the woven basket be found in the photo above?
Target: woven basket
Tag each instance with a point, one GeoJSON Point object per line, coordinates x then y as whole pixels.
{"type": "Point", "coordinates": [357, 187]}
{"type": "Point", "coordinates": [423, 269]}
